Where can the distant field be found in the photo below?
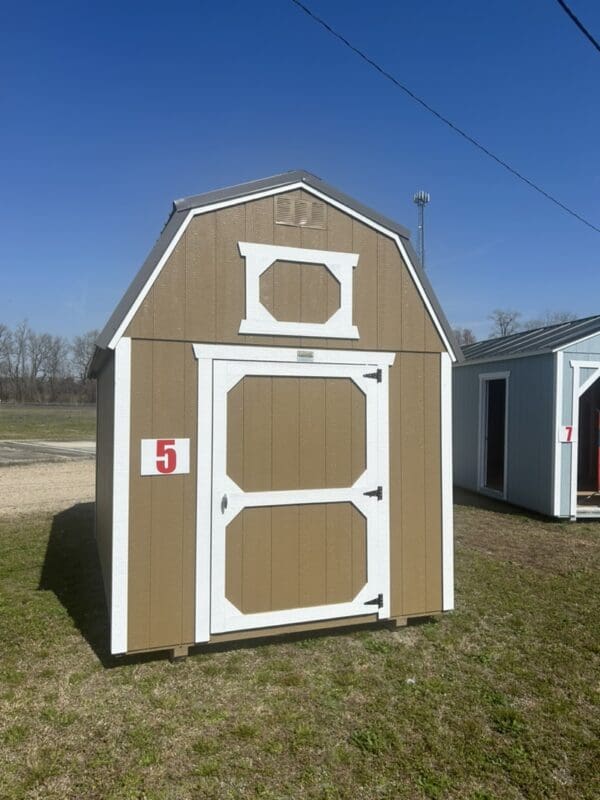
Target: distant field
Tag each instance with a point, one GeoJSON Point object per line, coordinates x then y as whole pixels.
{"type": "Point", "coordinates": [52, 423]}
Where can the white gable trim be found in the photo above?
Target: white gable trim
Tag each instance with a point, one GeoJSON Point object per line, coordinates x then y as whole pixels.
{"type": "Point", "coordinates": [269, 193]}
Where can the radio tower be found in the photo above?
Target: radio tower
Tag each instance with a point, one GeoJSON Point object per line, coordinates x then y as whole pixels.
{"type": "Point", "coordinates": [421, 199]}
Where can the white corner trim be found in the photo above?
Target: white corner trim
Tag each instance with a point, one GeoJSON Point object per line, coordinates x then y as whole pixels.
{"type": "Point", "coordinates": [268, 193]}
{"type": "Point", "coordinates": [447, 488]}
{"type": "Point", "coordinates": [259, 257]}
{"type": "Point", "coordinates": [557, 446]}
{"type": "Point", "coordinates": [204, 496]}
{"type": "Point", "coordinates": [120, 511]}
{"type": "Point", "coordinates": [578, 390]}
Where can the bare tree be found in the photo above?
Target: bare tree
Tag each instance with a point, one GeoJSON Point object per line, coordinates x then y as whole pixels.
{"type": "Point", "coordinates": [504, 322]}
{"type": "Point", "coordinates": [549, 318]}
{"type": "Point", "coordinates": [55, 366]}
{"type": "Point", "coordinates": [82, 350]}
{"type": "Point", "coordinates": [464, 336]}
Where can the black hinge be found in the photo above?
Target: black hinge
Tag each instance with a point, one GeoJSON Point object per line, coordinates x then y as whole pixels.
{"type": "Point", "coordinates": [377, 375]}
{"type": "Point", "coordinates": [376, 601]}
{"type": "Point", "coordinates": [378, 493]}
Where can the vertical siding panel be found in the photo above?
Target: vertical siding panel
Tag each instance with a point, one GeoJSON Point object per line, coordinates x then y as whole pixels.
{"type": "Point", "coordinates": [235, 434]}
{"type": "Point", "coordinates": [339, 239]}
{"type": "Point", "coordinates": [188, 589]}
{"type": "Point", "coordinates": [258, 421]}
{"type": "Point", "coordinates": [313, 554]}
{"type": "Point", "coordinates": [142, 324]}
{"type": "Point", "coordinates": [260, 220]}
{"type": "Point", "coordinates": [169, 296]}
{"type": "Point", "coordinates": [140, 501]}
{"type": "Point", "coordinates": [338, 423]}
{"type": "Point", "coordinates": [285, 564]}
{"type": "Point", "coordinates": [414, 553]}
{"type": "Point", "coordinates": [314, 285]}
{"type": "Point", "coordinates": [234, 543]}
{"type": "Point", "coordinates": [364, 241]}
{"type": "Point", "coordinates": [167, 501]}
{"type": "Point", "coordinates": [339, 552]}
{"type": "Point", "coordinates": [313, 427]}
{"type": "Point", "coordinates": [432, 482]}
{"type": "Point", "coordinates": [288, 236]}
{"type": "Point", "coordinates": [286, 444]}
{"type": "Point", "coordinates": [286, 291]}
{"type": "Point", "coordinates": [201, 278]}
{"type": "Point", "coordinates": [389, 296]}
{"type": "Point", "coordinates": [231, 303]}
{"type": "Point", "coordinates": [256, 575]}
{"type": "Point", "coordinates": [359, 551]}
{"type": "Point", "coordinates": [412, 316]}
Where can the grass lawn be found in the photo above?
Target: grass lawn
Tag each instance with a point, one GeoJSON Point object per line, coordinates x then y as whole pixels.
{"type": "Point", "coordinates": [497, 700]}
{"type": "Point", "coordinates": [50, 423]}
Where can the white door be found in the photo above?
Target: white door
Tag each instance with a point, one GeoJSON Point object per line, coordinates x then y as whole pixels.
{"type": "Point", "coordinates": [299, 506]}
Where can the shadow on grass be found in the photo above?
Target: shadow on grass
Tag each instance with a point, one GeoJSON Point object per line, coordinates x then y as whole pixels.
{"type": "Point", "coordinates": [465, 497]}
{"type": "Point", "coordinates": [72, 571]}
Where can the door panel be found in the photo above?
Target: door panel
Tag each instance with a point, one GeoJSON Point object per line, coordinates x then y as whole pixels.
{"type": "Point", "coordinates": [284, 557]}
{"type": "Point", "coordinates": [294, 536]}
{"type": "Point", "coordinates": [295, 433]}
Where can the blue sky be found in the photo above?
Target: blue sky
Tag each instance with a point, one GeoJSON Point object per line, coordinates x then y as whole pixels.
{"type": "Point", "coordinates": [110, 111]}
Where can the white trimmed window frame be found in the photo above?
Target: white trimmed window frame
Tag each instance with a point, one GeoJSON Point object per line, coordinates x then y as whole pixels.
{"type": "Point", "coordinates": [213, 612]}
{"type": "Point", "coordinates": [259, 257]}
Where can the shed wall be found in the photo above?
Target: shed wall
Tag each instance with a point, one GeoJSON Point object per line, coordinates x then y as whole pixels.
{"type": "Point", "coordinates": [531, 428]}
{"type": "Point", "coordinates": [104, 469]}
{"type": "Point", "coordinates": [199, 297]}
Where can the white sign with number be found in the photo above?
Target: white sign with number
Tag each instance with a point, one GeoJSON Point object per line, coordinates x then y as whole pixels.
{"type": "Point", "coordinates": [165, 456]}
{"type": "Point", "coordinates": [566, 434]}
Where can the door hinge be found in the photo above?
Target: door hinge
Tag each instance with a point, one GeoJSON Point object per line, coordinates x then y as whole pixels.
{"type": "Point", "coordinates": [377, 375]}
{"type": "Point", "coordinates": [378, 493]}
{"type": "Point", "coordinates": [376, 601]}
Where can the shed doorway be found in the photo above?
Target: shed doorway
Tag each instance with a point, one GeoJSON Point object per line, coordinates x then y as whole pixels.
{"type": "Point", "coordinates": [493, 433]}
{"type": "Point", "coordinates": [293, 501]}
{"type": "Point", "coordinates": [588, 451]}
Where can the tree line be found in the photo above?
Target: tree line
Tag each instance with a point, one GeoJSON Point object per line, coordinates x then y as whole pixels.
{"type": "Point", "coordinates": [42, 368]}
{"type": "Point", "coordinates": [504, 322]}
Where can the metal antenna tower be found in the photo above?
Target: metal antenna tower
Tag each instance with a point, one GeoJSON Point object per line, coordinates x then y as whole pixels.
{"type": "Point", "coordinates": [421, 199]}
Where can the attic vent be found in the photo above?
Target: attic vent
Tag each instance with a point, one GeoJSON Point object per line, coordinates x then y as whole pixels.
{"type": "Point", "coordinates": [303, 213]}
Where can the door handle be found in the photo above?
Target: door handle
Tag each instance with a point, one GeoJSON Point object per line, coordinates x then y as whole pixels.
{"type": "Point", "coordinates": [223, 503]}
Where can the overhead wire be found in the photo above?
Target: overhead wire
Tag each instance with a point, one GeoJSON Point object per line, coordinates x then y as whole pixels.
{"type": "Point", "coordinates": [329, 28]}
{"type": "Point", "coordinates": [579, 23]}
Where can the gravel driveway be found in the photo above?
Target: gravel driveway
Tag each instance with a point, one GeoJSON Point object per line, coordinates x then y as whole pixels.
{"type": "Point", "coordinates": [45, 487]}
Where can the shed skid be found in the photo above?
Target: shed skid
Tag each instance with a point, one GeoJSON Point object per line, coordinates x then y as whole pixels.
{"type": "Point", "coordinates": [274, 439]}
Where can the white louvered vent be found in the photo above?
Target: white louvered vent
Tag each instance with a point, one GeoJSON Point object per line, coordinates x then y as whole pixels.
{"type": "Point", "coordinates": [303, 213]}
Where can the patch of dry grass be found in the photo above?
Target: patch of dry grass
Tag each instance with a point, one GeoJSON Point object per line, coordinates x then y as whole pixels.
{"type": "Point", "coordinates": [498, 700]}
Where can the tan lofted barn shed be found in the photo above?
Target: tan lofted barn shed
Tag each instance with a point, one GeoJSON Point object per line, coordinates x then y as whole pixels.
{"type": "Point", "coordinates": [274, 424]}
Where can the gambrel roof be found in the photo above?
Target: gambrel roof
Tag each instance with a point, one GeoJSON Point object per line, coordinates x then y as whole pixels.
{"type": "Point", "coordinates": [287, 181]}
{"type": "Point", "coordinates": [539, 340]}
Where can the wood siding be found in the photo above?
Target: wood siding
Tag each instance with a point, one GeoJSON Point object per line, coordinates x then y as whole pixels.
{"type": "Point", "coordinates": [299, 292]}
{"type": "Point", "coordinates": [200, 297]}
{"type": "Point", "coordinates": [295, 433]}
{"type": "Point", "coordinates": [295, 556]}
{"type": "Point", "coordinates": [162, 512]}
{"type": "Point", "coordinates": [104, 469]}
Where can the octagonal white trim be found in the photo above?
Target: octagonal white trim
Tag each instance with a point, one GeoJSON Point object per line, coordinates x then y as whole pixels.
{"type": "Point", "coordinates": [259, 257]}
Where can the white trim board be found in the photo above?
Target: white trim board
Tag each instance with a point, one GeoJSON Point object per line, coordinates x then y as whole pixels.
{"type": "Point", "coordinates": [447, 490]}
{"type": "Point", "coordinates": [259, 257]}
{"type": "Point", "coordinates": [120, 510]}
{"type": "Point", "coordinates": [577, 391]}
{"type": "Point", "coordinates": [268, 193]}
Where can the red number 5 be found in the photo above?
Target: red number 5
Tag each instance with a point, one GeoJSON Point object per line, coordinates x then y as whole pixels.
{"type": "Point", "coordinates": [166, 456]}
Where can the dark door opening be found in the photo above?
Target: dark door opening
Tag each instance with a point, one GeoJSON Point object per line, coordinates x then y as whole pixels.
{"type": "Point", "coordinates": [588, 457]}
{"type": "Point", "coordinates": [495, 434]}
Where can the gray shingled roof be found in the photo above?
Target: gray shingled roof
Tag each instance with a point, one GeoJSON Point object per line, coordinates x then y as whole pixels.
{"type": "Point", "coordinates": [179, 213]}
{"type": "Point", "coordinates": [539, 340]}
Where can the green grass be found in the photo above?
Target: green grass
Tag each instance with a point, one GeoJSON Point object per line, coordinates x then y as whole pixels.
{"type": "Point", "coordinates": [498, 700]}
{"type": "Point", "coordinates": [50, 423]}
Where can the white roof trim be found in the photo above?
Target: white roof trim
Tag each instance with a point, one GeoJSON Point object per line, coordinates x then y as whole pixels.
{"type": "Point", "coordinates": [269, 193]}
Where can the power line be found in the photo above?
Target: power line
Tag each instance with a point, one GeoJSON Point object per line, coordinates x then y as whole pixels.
{"type": "Point", "coordinates": [579, 24]}
{"type": "Point", "coordinates": [441, 117]}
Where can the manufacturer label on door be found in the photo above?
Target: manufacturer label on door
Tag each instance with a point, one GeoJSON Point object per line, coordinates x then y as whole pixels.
{"type": "Point", "coordinates": [165, 456]}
